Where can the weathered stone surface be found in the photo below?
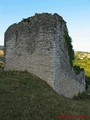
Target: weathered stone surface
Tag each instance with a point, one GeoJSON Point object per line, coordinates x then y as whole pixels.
{"type": "Point", "coordinates": [37, 45]}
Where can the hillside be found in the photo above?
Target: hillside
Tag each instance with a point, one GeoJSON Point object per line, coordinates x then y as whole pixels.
{"type": "Point", "coordinates": [1, 51]}
{"type": "Point", "coordinates": [1, 56]}
{"type": "Point", "coordinates": [82, 59]}
{"type": "Point", "coordinates": [24, 96]}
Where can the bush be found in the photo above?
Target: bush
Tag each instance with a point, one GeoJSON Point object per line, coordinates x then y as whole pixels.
{"type": "Point", "coordinates": [1, 64]}
{"type": "Point", "coordinates": [87, 80]}
{"type": "Point", "coordinates": [77, 69]}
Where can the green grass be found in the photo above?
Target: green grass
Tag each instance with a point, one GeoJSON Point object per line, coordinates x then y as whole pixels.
{"type": "Point", "coordinates": [83, 63]}
{"type": "Point", "coordinates": [24, 96]}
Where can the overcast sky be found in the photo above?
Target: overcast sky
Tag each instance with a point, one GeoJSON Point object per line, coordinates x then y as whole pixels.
{"type": "Point", "coordinates": [75, 12]}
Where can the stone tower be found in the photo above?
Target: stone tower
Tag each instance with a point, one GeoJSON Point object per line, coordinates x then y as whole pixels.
{"type": "Point", "coordinates": [37, 44]}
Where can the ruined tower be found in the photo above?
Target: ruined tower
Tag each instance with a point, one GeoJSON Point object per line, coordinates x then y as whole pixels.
{"type": "Point", "coordinates": [37, 44]}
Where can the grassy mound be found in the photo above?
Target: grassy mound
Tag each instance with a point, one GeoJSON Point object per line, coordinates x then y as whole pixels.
{"type": "Point", "coordinates": [24, 96]}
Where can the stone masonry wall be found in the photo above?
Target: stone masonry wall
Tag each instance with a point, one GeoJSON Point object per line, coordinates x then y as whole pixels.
{"type": "Point", "coordinates": [37, 44]}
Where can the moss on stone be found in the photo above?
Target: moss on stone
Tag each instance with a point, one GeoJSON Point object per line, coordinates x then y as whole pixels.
{"type": "Point", "coordinates": [68, 41]}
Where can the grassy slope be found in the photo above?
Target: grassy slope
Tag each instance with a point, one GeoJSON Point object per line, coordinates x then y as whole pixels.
{"type": "Point", "coordinates": [1, 57]}
{"type": "Point", "coordinates": [26, 97]}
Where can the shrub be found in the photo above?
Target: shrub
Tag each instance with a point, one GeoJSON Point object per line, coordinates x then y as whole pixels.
{"type": "Point", "coordinates": [77, 69]}
{"type": "Point", "coordinates": [87, 80]}
{"type": "Point", "coordinates": [1, 64]}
